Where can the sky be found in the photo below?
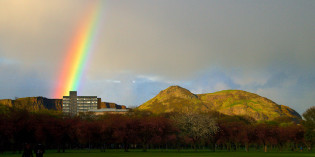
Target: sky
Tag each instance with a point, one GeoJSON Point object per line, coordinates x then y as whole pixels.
{"type": "Point", "coordinates": [144, 46]}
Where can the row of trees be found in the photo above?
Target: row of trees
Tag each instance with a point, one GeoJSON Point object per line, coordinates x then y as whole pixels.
{"type": "Point", "coordinates": [234, 133]}
{"type": "Point", "coordinates": [144, 130]}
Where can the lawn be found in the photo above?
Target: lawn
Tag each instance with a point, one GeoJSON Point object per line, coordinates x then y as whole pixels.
{"type": "Point", "coordinates": [171, 153]}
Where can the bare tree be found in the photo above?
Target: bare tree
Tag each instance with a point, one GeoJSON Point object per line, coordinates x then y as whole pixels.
{"type": "Point", "coordinates": [199, 127]}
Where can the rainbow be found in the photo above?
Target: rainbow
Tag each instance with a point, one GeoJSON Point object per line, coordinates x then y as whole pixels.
{"type": "Point", "coordinates": [78, 52]}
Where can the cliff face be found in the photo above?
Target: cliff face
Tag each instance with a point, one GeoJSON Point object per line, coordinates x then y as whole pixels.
{"type": "Point", "coordinates": [230, 102]}
{"type": "Point", "coordinates": [111, 105]}
{"type": "Point", "coordinates": [33, 103]}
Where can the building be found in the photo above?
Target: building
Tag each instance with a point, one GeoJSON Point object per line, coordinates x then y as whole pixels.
{"type": "Point", "coordinates": [108, 110]}
{"type": "Point", "coordinates": [74, 104]}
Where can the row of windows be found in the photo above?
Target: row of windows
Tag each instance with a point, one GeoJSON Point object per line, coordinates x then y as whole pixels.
{"type": "Point", "coordinates": [67, 99]}
{"type": "Point", "coordinates": [67, 107]}
{"type": "Point", "coordinates": [82, 110]}
{"type": "Point", "coordinates": [86, 101]}
{"type": "Point", "coordinates": [81, 101]}
{"type": "Point", "coordinates": [87, 105]}
{"type": "Point", "coordinates": [86, 98]}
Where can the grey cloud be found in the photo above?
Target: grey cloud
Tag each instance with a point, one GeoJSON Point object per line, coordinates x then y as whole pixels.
{"type": "Point", "coordinates": [256, 45]}
{"type": "Point", "coordinates": [175, 39]}
{"type": "Point", "coordinates": [171, 39]}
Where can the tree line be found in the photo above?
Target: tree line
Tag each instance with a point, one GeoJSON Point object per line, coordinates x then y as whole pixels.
{"type": "Point", "coordinates": [143, 130]}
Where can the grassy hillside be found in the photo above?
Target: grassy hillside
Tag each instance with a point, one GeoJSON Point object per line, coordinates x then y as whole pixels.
{"type": "Point", "coordinates": [230, 102]}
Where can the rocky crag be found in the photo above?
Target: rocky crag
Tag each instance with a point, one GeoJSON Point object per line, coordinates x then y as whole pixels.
{"type": "Point", "coordinates": [33, 103]}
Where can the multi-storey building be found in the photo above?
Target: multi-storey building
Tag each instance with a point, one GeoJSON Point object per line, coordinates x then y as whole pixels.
{"type": "Point", "coordinates": [74, 104]}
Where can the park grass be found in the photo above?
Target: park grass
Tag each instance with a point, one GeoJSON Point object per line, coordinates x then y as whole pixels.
{"type": "Point", "coordinates": [169, 153]}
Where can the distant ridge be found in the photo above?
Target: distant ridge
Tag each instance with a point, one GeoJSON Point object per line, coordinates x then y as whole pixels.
{"type": "Point", "coordinates": [33, 103]}
{"type": "Point", "coordinates": [229, 102]}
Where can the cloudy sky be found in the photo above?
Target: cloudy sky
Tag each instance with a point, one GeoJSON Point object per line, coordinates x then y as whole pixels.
{"type": "Point", "coordinates": [143, 46]}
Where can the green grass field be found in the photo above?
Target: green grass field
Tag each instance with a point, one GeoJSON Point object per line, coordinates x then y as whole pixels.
{"type": "Point", "coordinates": [171, 153]}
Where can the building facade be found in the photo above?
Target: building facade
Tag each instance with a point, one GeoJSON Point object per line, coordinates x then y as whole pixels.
{"type": "Point", "coordinates": [74, 104]}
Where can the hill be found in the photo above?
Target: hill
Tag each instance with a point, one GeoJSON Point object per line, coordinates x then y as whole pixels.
{"type": "Point", "coordinates": [33, 103]}
{"type": "Point", "coordinates": [229, 102]}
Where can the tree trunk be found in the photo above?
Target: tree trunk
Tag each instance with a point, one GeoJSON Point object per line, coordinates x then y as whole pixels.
{"type": "Point", "coordinates": [126, 147]}
{"type": "Point", "coordinates": [145, 147]}
{"type": "Point", "coordinates": [58, 150]}
{"type": "Point", "coordinates": [228, 146]}
{"type": "Point", "coordinates": [89, 144]}
{"type": "Point", "coordinates": [246, 147]}
{"type": "Point", "coordinates": [237, 146]}
{"type": "Point", "coordinates": [265, 147]}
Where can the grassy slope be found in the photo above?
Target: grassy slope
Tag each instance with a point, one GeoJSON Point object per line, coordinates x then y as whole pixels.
{"type": "Point", "coordinates": [230, 102]}
{"type": "Point", "coordinates": [174, 99]}
{"type": "Point", "coordinates": [237, 102]}
{"type": "Point", "coordinates": [172, 153]}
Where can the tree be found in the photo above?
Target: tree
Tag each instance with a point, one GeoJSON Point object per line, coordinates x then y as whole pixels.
{"type": "Point", "coordinates": [266, 134]}
{"type": "Point", "coordinates": [6, 130]}
{"type": "Point", "coordinates": [148, 129]}
{"type": "Point", "coordinates": [195, 126]}
{"type": "Point", "coordinates": [88, 132]}
{"type": "Point", "coordinates": [106, 130]}
{"type": "Point", "coordinates": [126, 131]}
{"type": "Point", "coordinates": [309, 124]}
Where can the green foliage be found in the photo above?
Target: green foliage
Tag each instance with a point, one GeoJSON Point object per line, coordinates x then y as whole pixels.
{"type": "Point", "coordinates": [230, 102]}
{"type": "Point", "coordinates": [309, 116]}
{"type": "Point", "coordinates": [309, 124]}
{"type": "Point", "coordinates": [4, 109]}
